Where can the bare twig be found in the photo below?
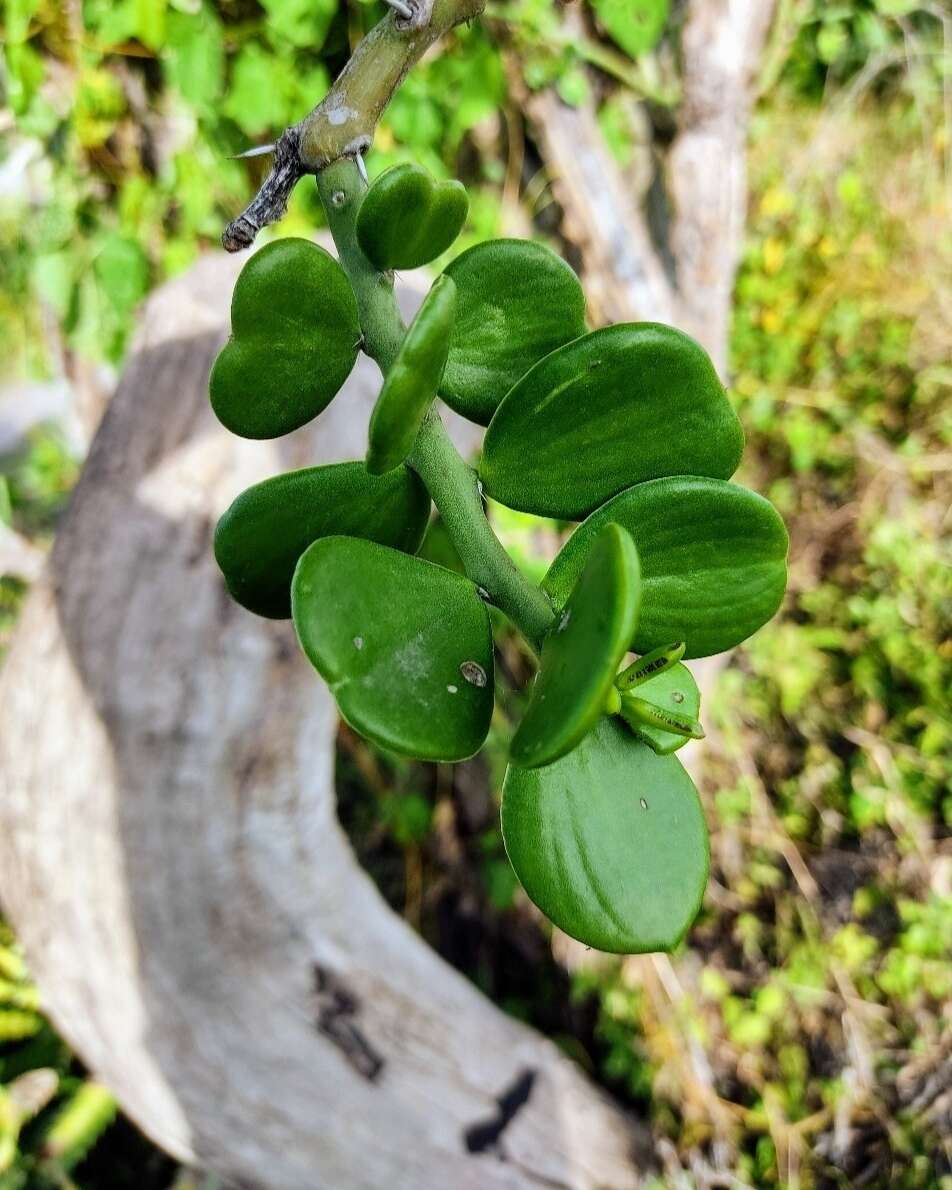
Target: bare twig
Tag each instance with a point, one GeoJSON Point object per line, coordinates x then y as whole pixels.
{"type": "Point", "coordinates": [271, 201]}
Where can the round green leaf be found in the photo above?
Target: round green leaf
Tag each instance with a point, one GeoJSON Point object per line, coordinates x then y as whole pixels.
{"type": "Point", "coordinates": [408, 219]}
{"type": "Point", "coordinates": [581, 655]}
{"type": "Point", "coordinates": [411, 384]}
{"type": "Point", "coordinates": [616, 407]}
{"type": "Point", "coordinates": [295, 335]}
{"type": "Point", "coordinates": [673, 691]}
{"type": "Point", "coordinates": [517, 301]}
{"type": "Point", "coordinates": [610, 842]}
{"type": "Point", "coordinates": [404, 645]}
{"type": "Point", "coordinates": [259, 539]}
{"type": "Point", "coordinates": [713, 561]}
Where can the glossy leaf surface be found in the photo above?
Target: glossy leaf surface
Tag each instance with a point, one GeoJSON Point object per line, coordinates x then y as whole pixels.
{"type": "Point", "coordinates": [614, 408]}
{"type": "Point", "coordinates": [261, 536]}
{"type": "Point", "coordinates": [672, 691]}
{"type": "Point", "coordinates": [517, 301]}
{"type": "Point", "coordinates": [580, 657]}
{"type": "Point", "coordinates": [713, 561]}
{"type": "Point", "coordinates": [407, 218]}
{"type": "Point", "coordinates": [404, 645]}
{"type": "Point", "coordinates": [411, 384]}
{"type": "Point", "coordinates": [610, 842]}
{"type": "Point", "coordinates": [294, 341]}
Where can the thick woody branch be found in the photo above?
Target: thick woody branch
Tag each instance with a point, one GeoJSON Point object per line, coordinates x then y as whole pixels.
{"type": "Point", "coordinates": [343, 123]}
{"type": "Point", "coordinates": [721, 47]}
{"type": "Point", "coordinates": [688, 280]}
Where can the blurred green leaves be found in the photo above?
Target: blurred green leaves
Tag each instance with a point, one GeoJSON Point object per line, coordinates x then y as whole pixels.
{"type": "Point", "coordinates": [636, 25]}
{"type": "Point", "coordinates": [124, 129]}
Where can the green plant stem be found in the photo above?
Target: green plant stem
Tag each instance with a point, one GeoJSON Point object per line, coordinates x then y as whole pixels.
{"type": "Point", "coordinates": [455, 491]}
{"type": "Point", "coordinates": [343, 122]}
{"type": "Point", "coordinates": [452, 484]}
{"type": "Point", "coordinates": [342, 188]}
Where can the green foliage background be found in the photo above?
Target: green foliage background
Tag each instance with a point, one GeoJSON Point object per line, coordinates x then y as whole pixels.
{"type": "Point", "coordinates": [821, 968]}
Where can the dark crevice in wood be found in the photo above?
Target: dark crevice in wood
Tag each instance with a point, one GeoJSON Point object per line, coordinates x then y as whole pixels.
{"type": "Point", "coordinates": [337, 1008]}
{"type": "Point", "coordinates": [487, 1133]}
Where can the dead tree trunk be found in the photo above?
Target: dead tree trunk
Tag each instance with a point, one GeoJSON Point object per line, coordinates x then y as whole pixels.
{"type": "Point", "coordinates": [682, 273]}
{"type": "Point", "coordinates": [169, 849]}
{"type": "Point", "coordinates": [171, 859]}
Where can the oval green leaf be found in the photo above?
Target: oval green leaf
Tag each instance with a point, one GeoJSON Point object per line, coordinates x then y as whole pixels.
{"type": "Point", "coordinates": [581, 655]}
{"type": "Point", "coordinates": [295, 336]}
{"type": "Point", "coordinates": [713, 561]}
{"type": "Point", "coordinates": [617, 407]}
{"type": "Point", "coordinates": [408, 219]}
{"type": "Point", "coordinates": [517, 301]}
{"type": "Point", "coordinates": [673, 691]}
{"type": "Point", "coordinates": [404, 645]}
{"type": "Point", "coordinates": [610, 842]}
{"type": "Point", "coordinates": [261, 536]}
{"type": "Point", "coordinates": [411, 384]}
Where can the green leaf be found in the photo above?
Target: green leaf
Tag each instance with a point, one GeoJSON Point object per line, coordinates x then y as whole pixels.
{"type": "Point", "coordinates": [610, 842]}
{"type": "Point", "coordinates": [295, 335]}
{"type": "Point", "coordinates": [673, 691]}
{"type": "Point", "coordinates": [581, 655]}
{"type": "Point", "coordinates": [649, 665]}
{"type": "Point", "coordinates": [194, 59]}
{"type": "Point", "coordinates": [256, 95]}
{"type": "Point", "coordinates": [299, 22]}
{"type": "Point", "coordinates": [122, 270]}
{"type": "Point", "coordinates": [265, 531]}
{"type": "Point", "coordinates": [713, 561]}
{"type": "Point", "coordinates": [408, 219]}
{"type": "Point", "coordinates": [150, 22]}
{"type": "Point", "coordinates": [614, 408]}
{"type": "Point", "coordinates": [516, 302]}
{"type": "Point", "coordinates": [411, 384]}
{"type": "Point", "coordinates": [404, 645]}
{"type": "Point", "coordinates": [636, 25]}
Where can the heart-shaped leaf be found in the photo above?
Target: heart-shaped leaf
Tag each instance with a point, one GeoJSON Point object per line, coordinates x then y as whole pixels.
{"type": "Point", "coordinates": [412, 381]}
{"type": "Point", "coordinates": [260, 538]}
{"type": "Point", "coordinates": [713, 561]}
{"type": "Point", "coordinates": [673, 692]}
{"type": "Point", "coordinates": [404, 645]}
{"type": "Point", "coordinates": [295, 335]}
{"type": "Point", "coordinates": [581, 655]}
{"type": "Point", "coordinates": [516, 302]}
{"type": "Point", "coordinates": [408, 219]}
{"type": "Point", "coordinates": [619, 406]}
{"type": "Point", "coordinates": [610, 842]}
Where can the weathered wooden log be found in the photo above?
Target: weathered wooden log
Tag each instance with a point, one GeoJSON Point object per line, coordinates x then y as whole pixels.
{"type": "Point", "coordinates": [171, 858]}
